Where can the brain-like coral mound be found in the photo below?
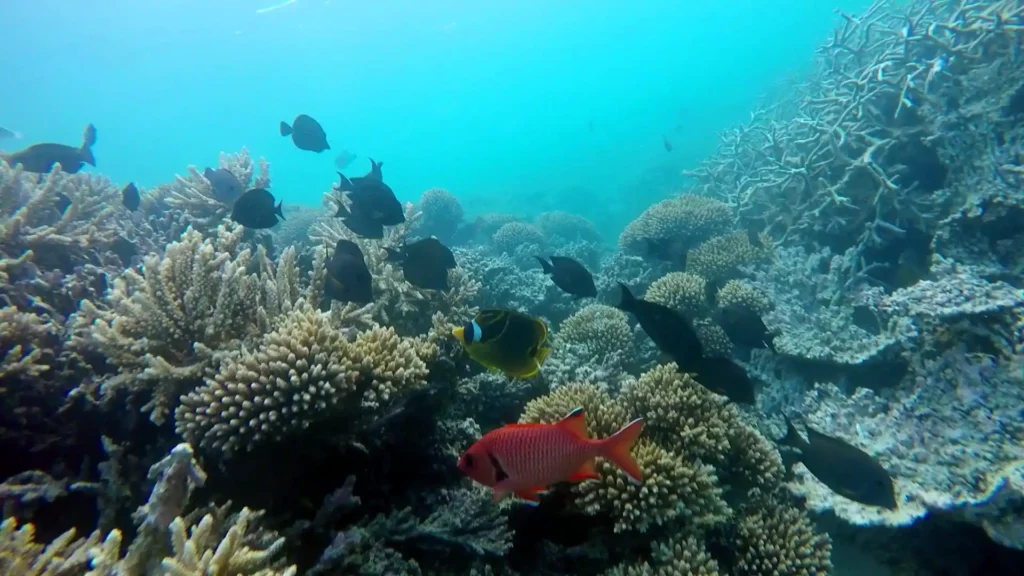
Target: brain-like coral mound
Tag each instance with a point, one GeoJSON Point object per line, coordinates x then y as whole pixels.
{"type": "Point", "coordinates": [516, 234]}
{"type": "Point", "coordinates": [598, 331]}
{"type": "Point", "coordinates": [682, 291]}
{"type": "Point", "coordinates": [745, 295]}
{"type": "Point", "coordinates": [720, 257]}
{"type": "Point", "coordinates": [302, 372]}
{"type": "Point", "coordinates": [689, 218]}
{"type": "Point", "coordinates": [569, 227]}
{"type": "Point", "coordinates": [440, 214]}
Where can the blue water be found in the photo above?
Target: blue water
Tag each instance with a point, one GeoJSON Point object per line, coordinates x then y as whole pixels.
{"type": "Point", "coordinates": [532, 105]}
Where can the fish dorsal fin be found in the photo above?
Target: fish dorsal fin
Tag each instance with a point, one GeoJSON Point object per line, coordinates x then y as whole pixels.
{"type": "Point", "coordinates": [575, 422]}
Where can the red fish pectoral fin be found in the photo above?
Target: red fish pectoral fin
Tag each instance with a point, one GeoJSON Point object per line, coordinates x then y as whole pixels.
{"type": "Point", "coordinates": [617, 449]}
{"type": "Point", "coordinates": [586, 472]}
{"type": "Point", "coordinates": [498, 494]}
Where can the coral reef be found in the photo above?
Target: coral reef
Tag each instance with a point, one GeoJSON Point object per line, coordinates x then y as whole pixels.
{"type": "Point", "coordinates": [688, 219]}
{"type": "Point", "coordinates": [440, 215]}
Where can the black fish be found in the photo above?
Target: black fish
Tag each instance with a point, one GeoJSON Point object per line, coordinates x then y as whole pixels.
{"type": "Point", "coordinates": [348, 278]}
{"type": "Point", "coordinates": [124, 249]}
{"type": "Point", "coordinates": [671, 331]}
{"type": "Point", "coordinates": [375, 170]}
{"type": "Point", "coordinates": [846, 469]}
{"type": "Point", "coordinates": [570, 276]}
{"type": "Point", "coordinates": [306, 133]}
{"type": "Point", "coordinates": [725, 377]}
{"type": "Point", "coordinates": [744, 327]}
{"type": "Point", "coordinates": [754, 238]}
{"type": "Point", "coordinates": [41, 158]}
{"type": "Point", "coordinates": [225, 185]}
{"type": "Point", "coordinates": [371, 199]}
{"type": "Point", "coordinates": [668, 145]}
{"type": "Point", "coordinates": [362, 227]}
{"type": "Point", "coordinates": [672, 250]}
{"type": "Point", "coordinates": [256, 209]}
{"type": "Point", "coordinates": [711, 288]}
{"type": "Point", "coordinates": [425, 263]}
{"type": "Point", "coordinates": [62, 203]}
{"type": "Point", "coordinates": [130, 197]}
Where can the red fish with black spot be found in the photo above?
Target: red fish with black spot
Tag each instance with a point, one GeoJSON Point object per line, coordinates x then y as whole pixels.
{"type": "Point", "coordinates": [524, 459]}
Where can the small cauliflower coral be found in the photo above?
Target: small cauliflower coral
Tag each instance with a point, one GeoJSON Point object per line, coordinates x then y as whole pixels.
{"type": "Point", "coordinates": [301, 373]}
{"type": "Point", "coordinates": [440, 214]}
{"type": "Point", "coordinates": [681, 291]}
{"type": "Point", "coordinates": [516, 234]}
{"type": "Point", "coordinates": [598, 331]}
{"type": "Point", "coordinates": [720, 257]}
{"type": "Point", "coordinates": [689, 219]}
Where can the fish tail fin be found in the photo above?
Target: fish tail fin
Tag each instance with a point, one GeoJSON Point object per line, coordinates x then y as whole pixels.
{"type": "Point", "coordinates": [626, 299]}
{"type": "Point", "coordinates": [545, 265]}
{"type": "Point", "coordinates": [278, 211]}
{"type": "Point", "coordinates": [792, 437]}
{"type": "Point", "coordinates": [345, 185]}
{"type": "Point", "coordinates": [616, 448]}
{"type": "Point", "coordinates": [286, 130]}
{"type": "Point", "coordinates": [88, 139]}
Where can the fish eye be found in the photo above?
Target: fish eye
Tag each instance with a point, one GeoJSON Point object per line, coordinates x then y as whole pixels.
{"type": "Point", "coordinates": [468, 460]}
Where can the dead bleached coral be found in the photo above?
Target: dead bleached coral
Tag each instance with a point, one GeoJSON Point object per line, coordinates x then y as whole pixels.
{"type": "Point", "coordinates": [26, 343]}
{"type": "Point", "coordinates": [300, 374]}
{"type": "Point", "coordinates": [193, 194]}
{"type": "Point", "coordinates": [163, 326]}
{"type": "Point", "coordinates": [21, 555]}
{"type": "Point", "coordinates": [202, 551]}
{"type": "Point", "coordinates": [688, 219]}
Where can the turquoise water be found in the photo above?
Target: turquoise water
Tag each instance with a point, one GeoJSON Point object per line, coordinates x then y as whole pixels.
{"type": "Point", "coordinates": [520, 106]}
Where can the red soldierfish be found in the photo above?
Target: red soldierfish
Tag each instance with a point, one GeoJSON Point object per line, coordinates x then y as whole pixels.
{"type": "Point", "coordinates": [523, 459]}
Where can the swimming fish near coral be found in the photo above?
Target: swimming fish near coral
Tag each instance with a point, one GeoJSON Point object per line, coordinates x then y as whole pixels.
{"type": "Point", "coordinates": [524, 459]}
{"type": "Point", "coordinates": [342, 160]}
{"type": "Point", "coordinates": [256, 209]}
{"type": "Point", "coordinates": [425, 263]}
{"type": "Point", "coordinates": [225, 185]}
{"type": "Point", "coordinates": [671, 331]}
{"type": "Point", "coordinates": [306, 133]}
{"type": "Point", "coordinates": [671, 250]}
{"type": "Point", "coordinates": [62, 203]}
{"type": "Point", "coordinates": [744, 327]}
{"type": "Point", "coordinates": [506, 341]}
{"type": "Point", "coordinates": [124, 249]}
{"type": "Point", "coordinates": [5, 134]}
{"type": "Point", "coordinates": [726, 377]}
{"type": "Point", "coordinates": [130, 197]}
{"type": "Point", "coordinates": [41, 158]}
{"type": "Point", "coordinates": [666, 143]}
{"type": "Point", "coordinates": [348, 278]}
{"type": "Point", "coordinates": [569, 275]}
{"type": "Point", "coordinates": [371, 200]}
{"type": "Point", "coordinates": [844, 468]}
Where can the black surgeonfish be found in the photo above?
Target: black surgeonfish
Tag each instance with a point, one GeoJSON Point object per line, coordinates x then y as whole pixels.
{"type": "Point", "coordinates": [844, 468]}
{"type": "Point", "coordinates": [507, 341]}
{"type": "Point", "coordinates": [226, 187]}
{"type": "Point", "coordinates": [130, 197]}
{"type": "Point", "coordinates": [40, 158]}
{"type": "Point", "coordinates": [671, 331]}
{"type": "Point", "coordinates": [256, 209]}
{"type": "Point", "coordinates": [569, 275]}
{"type": "Point", "coordinates": [425, 263]}
{"type": "Point", "coordinates": [744, 327]}
{"type": "Point", "coordinates": [675, 335]}
{"type": "Point", "coordinates": [671, 250]}
{"type": "Point", "coordinates": [348, 278]}
{"type": "Point", "coordinates": [306, 133]}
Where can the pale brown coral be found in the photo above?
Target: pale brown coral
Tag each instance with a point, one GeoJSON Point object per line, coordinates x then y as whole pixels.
{"type": "Point", "coordinates": [720, 257]}
{"type": "Point", "coordinates": [298, 375]}
{"type": "Point", "coordinates": [745, 295]}
{"type": "Point", "coordinates": [441, 214]}
{"type": "Point", "coordinates": [682, 554]}
{"type": "Point", "coordinates": [598, 331]}
{"type": "Point", "coordinates": [780, 540]}
{"type": "Point", "coordinates": [688, 218]}
{"type": "Point", "coordinates": [681, 291]}
{"type": "Point", "coordinates": [516, 234]}
{"type": "Point", "coordinates": [604, 416]}
{"type": "Point", "coordinates": [25, 343]}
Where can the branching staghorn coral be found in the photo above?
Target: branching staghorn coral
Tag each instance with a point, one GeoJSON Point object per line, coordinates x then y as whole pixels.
{"type": "Point", "coordinates": [26, 342]}
{"type": "Point", "coordinates": [193, 194]}
{"type": "Point", "coordinates": [396, 302]}
{"type": "Point", "coordinates": [303, 373]}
